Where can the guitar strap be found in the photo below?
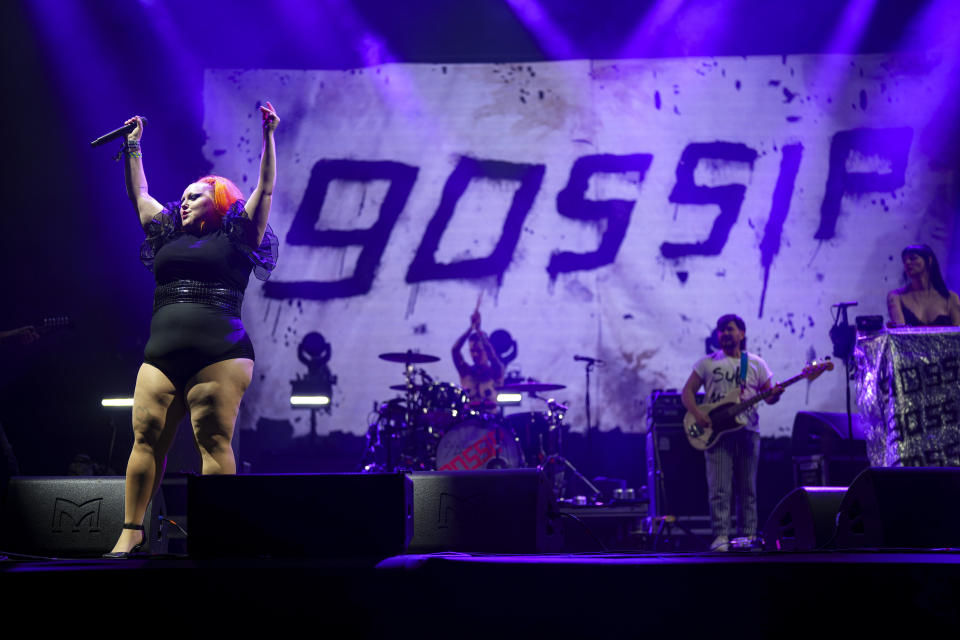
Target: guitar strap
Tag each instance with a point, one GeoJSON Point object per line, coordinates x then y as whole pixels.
{"type": "Point", "coordinates": [743, 370]}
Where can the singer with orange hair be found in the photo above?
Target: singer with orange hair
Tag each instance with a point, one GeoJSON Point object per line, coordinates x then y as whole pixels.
{"type": "Point", "coordinates": [198, 359]}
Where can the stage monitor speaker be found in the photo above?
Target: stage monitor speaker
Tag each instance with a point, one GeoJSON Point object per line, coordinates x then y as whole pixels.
{"type": "Point", "coordinates": [804, 520]}
{"type": "Point", "coordinates": [492, 511]}
{"type": "Point", "coordinates": [360, 515]}
{"type": "Point", "coordinates": [71, 516]}
{"type": "Point", "coordinates": [827, 433]}
{"type": "Point", "coordinates": [904, 507]}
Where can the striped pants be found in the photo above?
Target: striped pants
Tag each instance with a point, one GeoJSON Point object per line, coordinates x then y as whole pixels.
{"type": "Point", "coordinates": [732, 477]}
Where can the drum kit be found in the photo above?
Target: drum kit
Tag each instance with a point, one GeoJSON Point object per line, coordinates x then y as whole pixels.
{"type": "Point", "coordinates": [433, 426]}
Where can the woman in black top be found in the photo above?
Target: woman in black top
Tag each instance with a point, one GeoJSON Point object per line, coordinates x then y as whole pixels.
{"type": "Point", "coordinates": [199, 357]}
{"type": "Point", "coordinates": [925, 299]}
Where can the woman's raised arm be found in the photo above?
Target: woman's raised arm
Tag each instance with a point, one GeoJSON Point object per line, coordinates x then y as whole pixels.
{"type": "Point", "coordinates": [147, 207]}
{"type": "Point", "coordinates": [258, 206]}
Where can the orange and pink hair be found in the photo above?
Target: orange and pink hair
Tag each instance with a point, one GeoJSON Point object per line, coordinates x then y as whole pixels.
{"type": "Point", "coordinates": [225, 193]}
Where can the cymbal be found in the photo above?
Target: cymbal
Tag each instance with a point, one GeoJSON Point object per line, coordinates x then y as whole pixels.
{"type": "Point", "coordinates": [403, 387]}
{"type": "Point", "coordinates": [408, 357]}
{"type": "Point", "coordinates": [531, 387]}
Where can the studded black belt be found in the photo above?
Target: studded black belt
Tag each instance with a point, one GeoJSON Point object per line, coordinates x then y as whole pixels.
{"type": "Point", "coordinates": [223, 298]}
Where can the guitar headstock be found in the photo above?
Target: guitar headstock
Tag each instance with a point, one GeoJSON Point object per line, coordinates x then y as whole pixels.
{"type": "Point", "coordinates": [54, 323]}
{"type": "Point", "coordinates": [815, 369]}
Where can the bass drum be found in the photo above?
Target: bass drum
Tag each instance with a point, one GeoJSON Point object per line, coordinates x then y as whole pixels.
{"type": "Point", "coordinates": [479, 442]}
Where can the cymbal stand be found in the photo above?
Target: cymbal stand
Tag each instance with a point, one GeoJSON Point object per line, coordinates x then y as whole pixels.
{"type": "Point", "coordinates": [409, 413]}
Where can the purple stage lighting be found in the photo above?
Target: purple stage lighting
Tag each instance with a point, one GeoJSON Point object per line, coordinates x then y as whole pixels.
{"type": "Point", "coordinates": [548, 34]}
{"type": "Point", "coordinates": [370, 46]}
{"type": "Point", "coordinates": [642, 42]}
{"type": "Point", "coordinates": [81, 60]}
{"type": "Point", "coordinates": [934, 30]}
{"type": "Point", "coordinates": [851, 26]}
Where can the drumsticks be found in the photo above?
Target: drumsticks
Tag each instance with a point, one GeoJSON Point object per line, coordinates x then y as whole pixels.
{"type": "Point", "coordinates": [475, 317]}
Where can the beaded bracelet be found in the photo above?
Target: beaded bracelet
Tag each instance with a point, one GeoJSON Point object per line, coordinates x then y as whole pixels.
{"type": "Point", "coordinates": [129, 148]}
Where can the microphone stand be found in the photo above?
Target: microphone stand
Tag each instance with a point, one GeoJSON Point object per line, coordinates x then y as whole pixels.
{"type": "Point", "coordinates": [844, 337]}
{"type": "Point", "coordinates": [589, 364]}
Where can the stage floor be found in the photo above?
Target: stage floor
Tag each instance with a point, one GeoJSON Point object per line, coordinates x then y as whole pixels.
{"type": "Point", "coordinates": [758, 594]}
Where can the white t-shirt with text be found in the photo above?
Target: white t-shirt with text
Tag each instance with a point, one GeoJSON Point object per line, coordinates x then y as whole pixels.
{"type": "Point", "coordinates": [721, 374]}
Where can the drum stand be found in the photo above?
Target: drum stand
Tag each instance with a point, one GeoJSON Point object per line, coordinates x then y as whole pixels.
{"type": "Point", "coordinates": [560, 460]}
{"type": "Point", "coordinates": [409, 414]}
{"type": "Point", "coordinates": [554, 419]}
{"type": "Point", "coordinates": [496, 462]}
{"type": "Point", "coordinates": [386, 436]}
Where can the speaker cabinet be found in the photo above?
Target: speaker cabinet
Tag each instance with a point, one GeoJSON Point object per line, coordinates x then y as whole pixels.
{"type": "Point", "coordinates": [676, 474]}
{"type": "Point", "coordinates": [908, 507]}
{"type": "Point", "coordinates": [804, 519]}
{"type": "Point", "coordinates": [493, 511]}
{"type": "Point", "coordinates": [822, 452]}
{"type": "Point", "coordinates": [72, 516]}
{"type": "Point", "coordinates": [300, 515]}
{"type": "Point", "coordinates": [826, 433]}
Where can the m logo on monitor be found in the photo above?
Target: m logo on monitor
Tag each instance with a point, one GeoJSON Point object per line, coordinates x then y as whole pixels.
{"type": "Point", "coordinates": [68, 514]}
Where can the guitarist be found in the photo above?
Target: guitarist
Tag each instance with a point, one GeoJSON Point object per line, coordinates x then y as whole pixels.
{"type": "Point", "coordinates": [732, 461]}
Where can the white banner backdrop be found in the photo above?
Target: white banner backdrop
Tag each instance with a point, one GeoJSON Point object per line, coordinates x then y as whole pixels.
{"type": "Point", "coordinates": [645, 197]}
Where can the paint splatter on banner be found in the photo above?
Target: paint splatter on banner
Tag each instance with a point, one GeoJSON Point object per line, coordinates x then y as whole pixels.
{"type": "Point", "coordinates": [607, 209]}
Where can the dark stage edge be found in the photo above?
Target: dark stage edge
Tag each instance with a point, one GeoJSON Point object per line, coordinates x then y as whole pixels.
{"type": "Point", "coordinates": [746, 595]}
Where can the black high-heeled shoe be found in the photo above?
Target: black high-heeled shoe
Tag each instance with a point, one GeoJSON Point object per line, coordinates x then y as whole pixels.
{"type": "Point", "coordinates": [120, 555]}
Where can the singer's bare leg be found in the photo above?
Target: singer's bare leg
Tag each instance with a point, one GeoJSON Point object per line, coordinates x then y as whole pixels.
{"type": "Point", "coordinates": [214, 396]}
{"type": "Point", "coordinates": [157, 410]}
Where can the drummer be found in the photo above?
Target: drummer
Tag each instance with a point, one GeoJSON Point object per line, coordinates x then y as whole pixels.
{"type": "Point", "coordinates": [481, 379]}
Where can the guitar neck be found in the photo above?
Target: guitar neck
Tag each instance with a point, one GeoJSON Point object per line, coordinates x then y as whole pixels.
{"type": "Point", "coordinates": [763, 395]}
{"type": "Point", "coordinates": [41, 327]}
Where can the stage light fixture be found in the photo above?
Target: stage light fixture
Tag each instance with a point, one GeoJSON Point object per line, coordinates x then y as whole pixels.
{"type": "Point", "coordinates": [116, 402]}
{"type": "Point", "coordinates": [309, 401]}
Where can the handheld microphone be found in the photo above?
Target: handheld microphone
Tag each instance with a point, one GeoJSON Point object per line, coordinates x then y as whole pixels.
{"type": "Point", "coordinates": [586, 359]}
{"type": "Point", "coordinates": [844, 305]}
{"type": "Point", "coordinates": [117, 133]}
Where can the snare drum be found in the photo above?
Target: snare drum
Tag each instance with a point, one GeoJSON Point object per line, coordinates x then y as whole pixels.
{"type": "Point", "coordinates": [479, 442]}
{"type": "Point", "coordinates": [441, 404]}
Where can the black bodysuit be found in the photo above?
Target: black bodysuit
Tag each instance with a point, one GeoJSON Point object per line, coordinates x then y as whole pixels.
{"type": "Point", "coordinates": [200, 284]}
{"type": "Point", "coordinates": [911, 319]}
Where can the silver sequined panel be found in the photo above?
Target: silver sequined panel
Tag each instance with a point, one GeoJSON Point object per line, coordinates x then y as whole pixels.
{"type": "Point", "coordinates": [908, 392]}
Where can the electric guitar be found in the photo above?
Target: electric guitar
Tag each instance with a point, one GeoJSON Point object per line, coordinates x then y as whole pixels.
{"type": "Point", "coordinates": [42, 327]}
{"type": "Point", "coordinates": [725, 413]}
